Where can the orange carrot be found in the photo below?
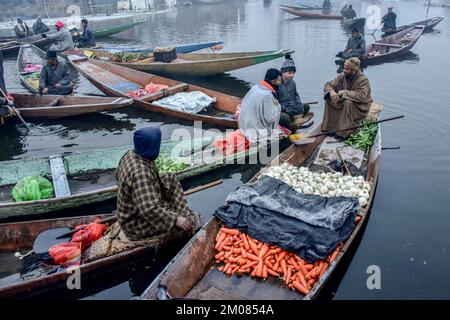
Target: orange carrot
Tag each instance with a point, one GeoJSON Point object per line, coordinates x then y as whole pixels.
{"type": "Point", "coordinates": [220, 268]}
{"type": "Point", "coordinates": [273, 273]}
{"type": "Point", "coordinates": [309, 267]}
{"type": "Point", "coordinates": [236, 251]}
{"type": "Point", "coordinates": [219, 255]}
{"type": "Point", "coordinates": [234, 232]}
{"type": "Point", "coordinates": [252, 256]}
{"type": "Point", "coordinates": [294, 264]}
{"type": "Point", "coordinates": [242, 261]}
{"type": "Point", "coordinates": [303, 269]}
{"type": "Point", "coordinates": [297, 285]}
{"type": "Point", "coordinates": [268, 264]}
{"type": "Point", "coordinates": [301, 278]}
{"type": "Point", "coordinates": [288, 276]}
{"type": "Point", "coordinates": [245, 240]}
{"type": "Point", "coordinates": [290, 286]}
{"type": "Point", "coordinates": [218, 235]}
{"type": "Point", "coordinates": [283, 266]}
{"type": "Point", "coordinates": [259, 269]}
{"type": "Point", "coordinates": [260, 245]}
{"type": "Point", "coordinates": [253, 274]}
{"type": "Point", "coordinates": [315, 272]}
{"type": "Point", "coordinates": [243, 253]}
{"type": "Point", "coordinates": [228, 254]}
{"type": "Point", "coordinates": [264, 250]}
{"type": "Point", "coordinates": [324, 268]}
{"type": "Point", "coordinates": [276, 265]}
{"type": "Point", "coordinates": [250, 264]}
{"type": "Point", "coordinates": [264, 273]}
{"type": "Point", "coordinates": [220, 240]}
{"type": "Point", "coordinates": [227, 266]}
{"type": "Point", "coordinates": [281, 255]}
{"type": "Point", "coordinates": [253, 246]}
{"type": "Point", "coordinates": [234, 259]}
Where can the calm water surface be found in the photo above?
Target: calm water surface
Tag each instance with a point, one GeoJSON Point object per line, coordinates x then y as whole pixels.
{"type": "Point", "coordinates": [407, 235]}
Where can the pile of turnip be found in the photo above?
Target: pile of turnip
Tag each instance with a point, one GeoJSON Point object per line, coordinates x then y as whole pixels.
{"type": "Point", "coordinates": [319, 183]}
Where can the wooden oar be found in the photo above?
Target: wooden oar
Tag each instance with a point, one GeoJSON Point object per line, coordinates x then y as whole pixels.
{"type": "Point", "coordinates": [50, 237]}
{"type": "Point", "coordinates": [14, 109]}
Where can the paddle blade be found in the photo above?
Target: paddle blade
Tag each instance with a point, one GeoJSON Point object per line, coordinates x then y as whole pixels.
{"type": "Point", "coordinates": [49, 238]}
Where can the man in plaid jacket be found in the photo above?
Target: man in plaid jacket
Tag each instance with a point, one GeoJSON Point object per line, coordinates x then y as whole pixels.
{"type": "Point", "coordinates": [149, 204]}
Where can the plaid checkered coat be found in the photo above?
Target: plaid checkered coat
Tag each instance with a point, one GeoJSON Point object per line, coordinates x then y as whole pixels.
{"type": "Point", "coordinates": [148, 204]}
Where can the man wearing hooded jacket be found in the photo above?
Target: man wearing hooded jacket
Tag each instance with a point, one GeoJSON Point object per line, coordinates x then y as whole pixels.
{"type": "Point", "coordinates": [150, 204]}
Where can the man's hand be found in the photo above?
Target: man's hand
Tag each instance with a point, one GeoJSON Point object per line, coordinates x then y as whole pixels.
{"type": "Point", "coordinates": [341, 93]}
{"type": "Point", "coordinates": [334, 97]}
{"type": "Point", "coordinates": [45, 90]}
{"type": "Point", "coordinates": [183, 224]}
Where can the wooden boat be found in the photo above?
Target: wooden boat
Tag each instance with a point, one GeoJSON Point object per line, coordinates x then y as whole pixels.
{"type": "Point", "coordinates": [199, 64]}
{"type": "Point", "coordinates": [184, 48]}
{"type": "Point", "coordinates": [30, 54]}
{"type": "Point", "coordinates": [299, 12]}
{"type": "Point", "coordinates": [429, 25]}
{"type": "Point", "coordinates": [189, 275]}
{"type": "Point", "coordinates": [20, 236]}
{"type": "Point", "coordinates": [357, 23]}
{"type": "Point", "coordinates": [89, 177]}
{"type": "Point", "coordinates": [118, 81]}
{"type": "Point", "coordinates": [54, 107]}
{"type": "Point", "coordinates": [392, 46]}
{"type": "Point", "coordinates": [306, 6]}
{"type": "Point", "coordinates": [106, 32]}
{"type": "Point", "coordinates": [10, 47]}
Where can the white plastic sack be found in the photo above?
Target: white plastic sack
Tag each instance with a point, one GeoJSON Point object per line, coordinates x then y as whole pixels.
{"type": "Point", "coordinates": [192, 102]}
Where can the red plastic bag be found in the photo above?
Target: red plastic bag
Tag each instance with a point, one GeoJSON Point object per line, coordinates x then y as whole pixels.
{"type": "Point", "coordinates": [89, 234]}
{"type": "Point", "coordinates": [152, 87]}
{"type": "Point", "coordinates": [66, 252]}
{"type": "Point", "coordinates": [234, 142]}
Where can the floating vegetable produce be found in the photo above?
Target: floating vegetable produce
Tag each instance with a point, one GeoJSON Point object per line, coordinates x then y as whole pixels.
{"type": "Point", "coordinates": [363, 138]}
{"type": "Point", "coordinates": [165, 164]}
{"type": "Point", "coordinates": [319, 183]}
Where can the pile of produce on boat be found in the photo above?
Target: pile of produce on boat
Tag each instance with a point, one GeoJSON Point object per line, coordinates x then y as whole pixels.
{"type": "Point", "coordinates": [320, 183]}
{"type": "Point", "coordinates": [363, 138]}
{"type": "Point", "coordinates": [147, 90]}
{"type": "Point", "coordinates": [128, 57]}
{"type": "Point", "coordinates": [238, 253]}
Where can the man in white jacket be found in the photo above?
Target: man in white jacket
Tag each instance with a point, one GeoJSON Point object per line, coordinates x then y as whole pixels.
{"type": "Point", "coordinates": [61, 39]}
{"type": "Point", "coordinates": [259, 114]}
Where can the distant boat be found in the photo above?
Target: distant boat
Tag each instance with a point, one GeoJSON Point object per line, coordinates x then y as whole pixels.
{"type": "Point", "coordinates": [429, 25]}
{"type": "Point", "coordinates": [299, 12]}
{"type": "Point", "coordinates": [184, 48]}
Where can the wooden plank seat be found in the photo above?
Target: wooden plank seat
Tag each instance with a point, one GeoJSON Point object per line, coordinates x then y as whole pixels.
{"type": "Point", "coordinates": [59, 177]}
{"type": "Point", "coordinates": [394, 45]}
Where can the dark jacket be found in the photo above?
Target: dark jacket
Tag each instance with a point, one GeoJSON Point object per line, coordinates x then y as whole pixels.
{"type": "Point", "coordinates": [350, 14]}
{"type": "Point", "coordinates": [22, 32]}
{"type": "Point", "coordinates": [87, 38]}
{"type": "Point", "coordinates": [39, 28]}
{"type": "Point", "coordinates": [51, 75]}
{"type": "Point", "coordinates": [389, 20]}
{"type": "Point", "coordinates": [357, 44]}
{"type": "Point", "coordinates": [2, 79]}
{"type": "Point", "coordinates": [289, 98]}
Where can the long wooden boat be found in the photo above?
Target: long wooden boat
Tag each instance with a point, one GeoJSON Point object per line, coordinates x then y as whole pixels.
{"type": "Point", "coordinates": [54, 107]}
{"type": "Point", "coordinates": [10, 47]}
{"type": "Point", "coordinates": [106, 32]}
{"type": "Point", "coordinates": [299, 12]}
{"type": "Point", "coordinates": [20, 236]}
{"type": "Point", "coordinates": [429, 25]}
{"type": "Point", "coordinates": [118, 81]}
{"type": "Point", "coordinates": [200, 64]}
{"type": "Point", "coordinates": [392, 47]}
{"type": "Point", "coordinates": [30, 54]}
{"type": "Point", "coordinates": [306, 6]}
{"type": "Point", "coordinates": [190, 274]}
{"type": "Point", "coordinates": [184, 48]}
{"type": "Point", "coordinates": [358, 23]}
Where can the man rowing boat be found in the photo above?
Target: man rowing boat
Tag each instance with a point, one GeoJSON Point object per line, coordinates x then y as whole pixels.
{"type": "Point", "coordinates": [150, 204]}
{"type": "Point", "coordinates": [5, 101]}
{"type": "Point", "coordinates": [347, 99]}
{"type": "Point", "coordinates": [55, 76]}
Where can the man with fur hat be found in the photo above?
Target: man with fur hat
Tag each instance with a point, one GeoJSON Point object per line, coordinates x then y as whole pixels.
{"type": "Point", "coordinates": [347, 99]}
{"type": "Point", "coordinates": [55, 76]}
{"type": "Point", "coordinates": [150, 204]}
{"type": "Point", "coordinates": [288, 97]}
{"type": "Point", "coordinates": [61, 40]}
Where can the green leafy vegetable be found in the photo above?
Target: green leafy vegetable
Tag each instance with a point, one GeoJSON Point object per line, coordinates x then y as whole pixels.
{"type": "Point", "coordinates": [363, 138]}
{"type": "Point", "coordinates": [165, 164]}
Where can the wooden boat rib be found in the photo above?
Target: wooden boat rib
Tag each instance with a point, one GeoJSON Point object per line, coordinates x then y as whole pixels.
{"type": "Point", "coordinates": [19, 236]}
{"type": "Point", "coordinates": [118, 81]}
{"type": "Point", "coordinates": [54, 107]}
{"type": "Point", "coordinates": [201, 64]}
{"type": "Point", "coordinates": [189, 274]}
{"type": "Point", "coordinates": [297, 11]}
{"type": "Point", "coordinates": [392, 46]}
{"type": "Point", "coordinates": [429, 25]}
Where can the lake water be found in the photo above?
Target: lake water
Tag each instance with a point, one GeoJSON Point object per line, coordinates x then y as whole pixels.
{"type": "Point", "coordinates": [407, 235]}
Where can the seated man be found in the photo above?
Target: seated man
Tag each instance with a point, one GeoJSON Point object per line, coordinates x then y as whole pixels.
{"type": "Point", "coordinates": [287, 95]}
{"type": "Point", "coordinates": [40, 27]}
{"type": "Point", "coordinates": [87, 38]}
{"type": "Point", "coordinates": [347, 99]}
{"type": "Point", "coordinates": [350, 13]}
{"type": "Point", "coordinates": [61, 39]}
{"type": "Point", "coordinates": [22, 30]}
{"type": "Point", "coordinates": [356, 46]}
{"type": "Point", "coordinates": [55, 76]}
{"type": "Point", "coordinates": [148, 204]}
{"type": "Point", "coordinates": [389, 21]}
{"type": "Point", "coordinates": [259, 114]}
{"type": "Point", "coordinates": [326, 4]}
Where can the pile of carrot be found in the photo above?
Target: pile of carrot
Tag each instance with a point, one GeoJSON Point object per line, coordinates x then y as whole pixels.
{"type": "Point", "coordinates": [240, 254]}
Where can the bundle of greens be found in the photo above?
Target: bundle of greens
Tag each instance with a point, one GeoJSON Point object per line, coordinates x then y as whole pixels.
{"type": "Point", "coordinates": [363, 138]}
{"type": "Point", "coordinates": [165, 164]}
{"type": "Point", "coordinates": [127, 56]}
